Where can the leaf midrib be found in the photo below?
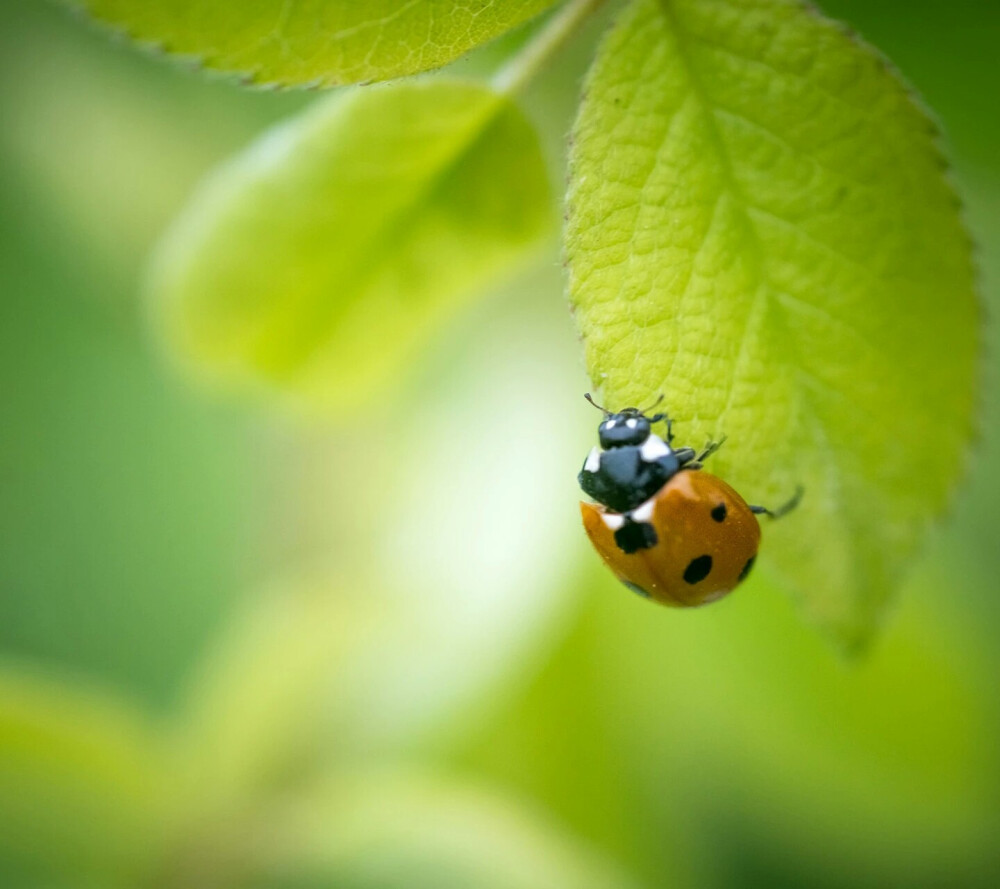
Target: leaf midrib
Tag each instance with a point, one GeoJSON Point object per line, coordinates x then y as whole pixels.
{"type": "Point", "coordinates": [701, 96]}
{"type": "Point", "coordinates": [762, 298]}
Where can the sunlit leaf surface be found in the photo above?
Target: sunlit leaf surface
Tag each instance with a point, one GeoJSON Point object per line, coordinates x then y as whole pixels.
{"type": "Point", "coordinates": [760, 227]}
{"type": "Point", "coordinates": [316, 41]}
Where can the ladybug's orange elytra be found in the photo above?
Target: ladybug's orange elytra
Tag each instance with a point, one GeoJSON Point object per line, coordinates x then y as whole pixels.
{"type": "Point", "coordinates": [707, 540]}
{"type": "Point", "coordinates": [667, 529]}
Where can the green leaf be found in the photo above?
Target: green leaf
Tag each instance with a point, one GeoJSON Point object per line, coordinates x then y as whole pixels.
{"type": "Point", "coordinates": [326, 255]}
{"type": "Point", "coordinates": [325, 42]}
{"type": "Point", "coordinates": [760, 226]}
{"type": "Point", "coordinates": [82, 787]}
{"type": "Point", "coordinates": [377, 830]}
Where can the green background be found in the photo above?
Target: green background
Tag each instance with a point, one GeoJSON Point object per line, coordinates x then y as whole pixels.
{"type": "Point", "coordinates": [138, 515]}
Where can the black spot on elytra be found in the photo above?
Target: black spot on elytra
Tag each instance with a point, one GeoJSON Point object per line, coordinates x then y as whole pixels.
{"type": "Point", "coordinates": [634, 536]}
{"type": "Point", "coordinates": [719, 512]}
{"type": "Point", "coordinates": [698, 569]}
{"type": "Point", "coordinates": [746, 568]}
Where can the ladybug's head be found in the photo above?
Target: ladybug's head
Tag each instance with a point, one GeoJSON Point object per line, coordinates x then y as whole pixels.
{"type": "Point", "coordinates": [629, 426]}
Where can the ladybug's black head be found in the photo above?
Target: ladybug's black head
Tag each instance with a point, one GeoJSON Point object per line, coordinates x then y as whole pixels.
{"type": "Point", "coordinates": [629, 426]}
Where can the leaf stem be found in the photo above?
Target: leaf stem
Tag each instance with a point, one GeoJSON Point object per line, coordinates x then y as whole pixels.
{"type": "Point", "coordinates": [520, 69]}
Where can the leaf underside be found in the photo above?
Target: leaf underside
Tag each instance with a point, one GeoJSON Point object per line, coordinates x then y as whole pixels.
{"type": "Point", "coordinates": [316, 42]}
{"type": "Point", "coordinates": [760, 226]}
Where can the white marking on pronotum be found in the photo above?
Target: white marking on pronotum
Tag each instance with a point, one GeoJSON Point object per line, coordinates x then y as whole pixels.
{"type": "Point", "coordinates": [613, 520]}
{"type": "Point", "coordinates": [643, 513]}
{"type": "Point", "coordinates": [632, 423]}
{"type": "Point", "coordinates": [653, 448]}
{"type": "Point", "coordinates": [593, 460]}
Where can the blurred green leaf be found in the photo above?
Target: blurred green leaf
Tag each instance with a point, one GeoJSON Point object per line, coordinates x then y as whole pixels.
{"type": "Point", "coordinates": [81, 781]}
{"type": "Point", "coordinates": [760, 228]}
{"type": "Point", "coordinates": [131, 123]}
{"type": "Point", "coordinates": [379, 831]}
{"type": "Point", "coordinates": [310, 42]}
{"type": "Point", "coordinates": [883, 772]}
{"type": "Point", "coordinates": [260, 708]}
{"type": "Point", "coordinates": [321, 258]}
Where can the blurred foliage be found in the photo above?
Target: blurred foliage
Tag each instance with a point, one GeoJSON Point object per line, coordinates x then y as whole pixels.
{"type": "Point", "coordinates": [323, 258]}
{"type": "Point", "coordinates": [387, 681]}
{"type": "Point", "coordinates": [80, 779]}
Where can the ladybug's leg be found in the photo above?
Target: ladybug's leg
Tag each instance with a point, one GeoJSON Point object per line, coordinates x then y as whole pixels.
{"type": "Point", "coordinates": [685, 456]}
{"type": "Point", "coordinates": [663, 416]}
{"type": "Point", "coordinates": [711, 448]}
{"type": "Point", "coordinates": [784, 509]}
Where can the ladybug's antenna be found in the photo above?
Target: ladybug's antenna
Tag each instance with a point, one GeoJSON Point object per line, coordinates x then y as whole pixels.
{"type": "Point", "coordinates": [654, 404]}
{"type": "Point", "coordinates": [595, 404]}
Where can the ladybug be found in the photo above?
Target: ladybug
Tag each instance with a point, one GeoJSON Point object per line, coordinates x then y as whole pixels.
{"type": "Point", "coordinates": [669, 530]}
